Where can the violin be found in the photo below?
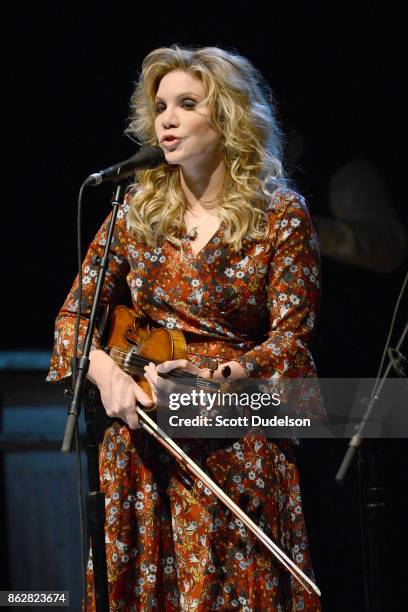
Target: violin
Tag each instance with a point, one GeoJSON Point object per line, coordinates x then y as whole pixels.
{"type": "Point", "coordinates": [132, 343]}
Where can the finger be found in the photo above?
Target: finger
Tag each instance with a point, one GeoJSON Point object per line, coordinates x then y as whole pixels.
{"type": "Point", "coordinates": [205, 373]}
{"type": "Point", "coordinates": [152, 384]}
{"type": "Point", "coordinates": [167, 366]}
{"type": "Point", "coordinates": [155, 380]}
{"type": "Point", "coordinates": [191, 368]}
{"type": "Point", "coordinates": [132, 420]}
{"type": "Point", "coordinates": [152, 378]}
{"type": "Point", "coordinates": [184, 364]}
{"type": "Point", "coordinates": [151, 370]}
{"type": "Point", "coordinates": [141, 396]}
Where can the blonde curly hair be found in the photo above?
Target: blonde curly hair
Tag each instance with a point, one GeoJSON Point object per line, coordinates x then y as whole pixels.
{"type": "Point", "coordinates": [241, 109]}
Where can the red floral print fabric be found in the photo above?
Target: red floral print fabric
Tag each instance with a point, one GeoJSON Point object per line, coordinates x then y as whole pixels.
{"type": "Point", "coordinates": [170, 547]}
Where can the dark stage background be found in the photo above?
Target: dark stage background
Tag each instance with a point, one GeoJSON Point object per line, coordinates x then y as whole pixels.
{"type": "Point", "coordinates": [336, 73]}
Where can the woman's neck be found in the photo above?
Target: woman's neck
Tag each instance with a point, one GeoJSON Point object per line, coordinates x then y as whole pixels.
{"type": "Point", "coordinates": [204, 184]}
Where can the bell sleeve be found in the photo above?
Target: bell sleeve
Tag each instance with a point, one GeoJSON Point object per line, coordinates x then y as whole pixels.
{"type": "Point", "coordinates": [293, 294]}
{"type": "Point", "coordinates": [60, 366]}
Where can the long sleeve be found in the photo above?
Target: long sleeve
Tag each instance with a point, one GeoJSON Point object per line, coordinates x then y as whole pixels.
{"type": "Point", "coordinates": [60, 366]}
{"type": "Point", "coordinates": [293, 295]}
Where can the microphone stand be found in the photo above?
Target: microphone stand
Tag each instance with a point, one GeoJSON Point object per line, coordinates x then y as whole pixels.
{"type": "Point", "coordinates": [371, 494]}
{"type": "Point", "coordinates": [95, 497]}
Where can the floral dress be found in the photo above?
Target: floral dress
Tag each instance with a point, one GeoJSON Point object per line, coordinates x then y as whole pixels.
{"type": "Point", "coordinates": [171, 547]}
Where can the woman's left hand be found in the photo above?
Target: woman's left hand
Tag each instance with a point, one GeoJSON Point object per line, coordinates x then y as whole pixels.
{"type": "Point", "coordinates": [152, 373]}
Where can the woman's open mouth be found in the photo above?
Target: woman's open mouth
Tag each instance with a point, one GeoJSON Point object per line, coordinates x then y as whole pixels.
{"type": "Point", "coordinates": [170, 142]}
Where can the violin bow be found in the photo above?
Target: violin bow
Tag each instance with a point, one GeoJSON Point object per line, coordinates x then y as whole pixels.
{"type": "Point", "coordinates": [154, 430]}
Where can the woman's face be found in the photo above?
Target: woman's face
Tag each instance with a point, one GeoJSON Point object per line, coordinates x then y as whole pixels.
{"type": "Point", "coordinates": [182, 122]}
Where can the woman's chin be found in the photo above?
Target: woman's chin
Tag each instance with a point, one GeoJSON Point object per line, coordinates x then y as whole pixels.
{"type": "Point", "coordinates": [174, 157]}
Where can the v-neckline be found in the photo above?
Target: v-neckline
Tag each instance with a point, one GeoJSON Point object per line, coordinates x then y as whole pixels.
{"type": "Point", "coordinates": [196, 256]}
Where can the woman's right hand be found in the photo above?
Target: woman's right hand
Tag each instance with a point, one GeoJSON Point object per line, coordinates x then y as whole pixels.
{"type": "Point", "coordinates": [119, 392]}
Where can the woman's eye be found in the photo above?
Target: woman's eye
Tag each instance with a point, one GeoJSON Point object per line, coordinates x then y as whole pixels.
{"type": "Point", "coordinates": [189, 104]}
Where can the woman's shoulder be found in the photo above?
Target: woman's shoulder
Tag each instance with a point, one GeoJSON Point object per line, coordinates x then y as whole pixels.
{"type": "Point", "coordinates": [288, 213]}
{"type": "Point", "coordinates": [285, 199]}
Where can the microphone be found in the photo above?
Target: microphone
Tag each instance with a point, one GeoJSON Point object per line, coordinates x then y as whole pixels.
{"type": "Point", "coordinates": [144, 159]}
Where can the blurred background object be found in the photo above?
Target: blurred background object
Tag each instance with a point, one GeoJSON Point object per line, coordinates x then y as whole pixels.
{"type": "Point", "coordinates": [361, 226]}
{"type": "Point", "coordinates": [364, 229]}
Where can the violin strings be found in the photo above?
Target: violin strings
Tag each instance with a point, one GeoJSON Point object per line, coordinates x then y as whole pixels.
{"type": "Point", "coordinates": [135, 362]}
{"type": "Point", "coordinates": [140, 361]}
{"type": "Point", "coordinates": [198, 382]}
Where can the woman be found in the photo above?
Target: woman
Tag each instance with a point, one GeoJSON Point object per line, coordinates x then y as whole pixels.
{"type": "Point", "coordinates": [214, 244]}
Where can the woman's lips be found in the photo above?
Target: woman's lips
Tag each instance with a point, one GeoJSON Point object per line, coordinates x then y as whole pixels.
{"type": "Point", "coordinates": [170, 143]}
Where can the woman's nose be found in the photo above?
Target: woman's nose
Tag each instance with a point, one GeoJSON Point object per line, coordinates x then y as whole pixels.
{"type": "Point", "coordinates": [170, 118]}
